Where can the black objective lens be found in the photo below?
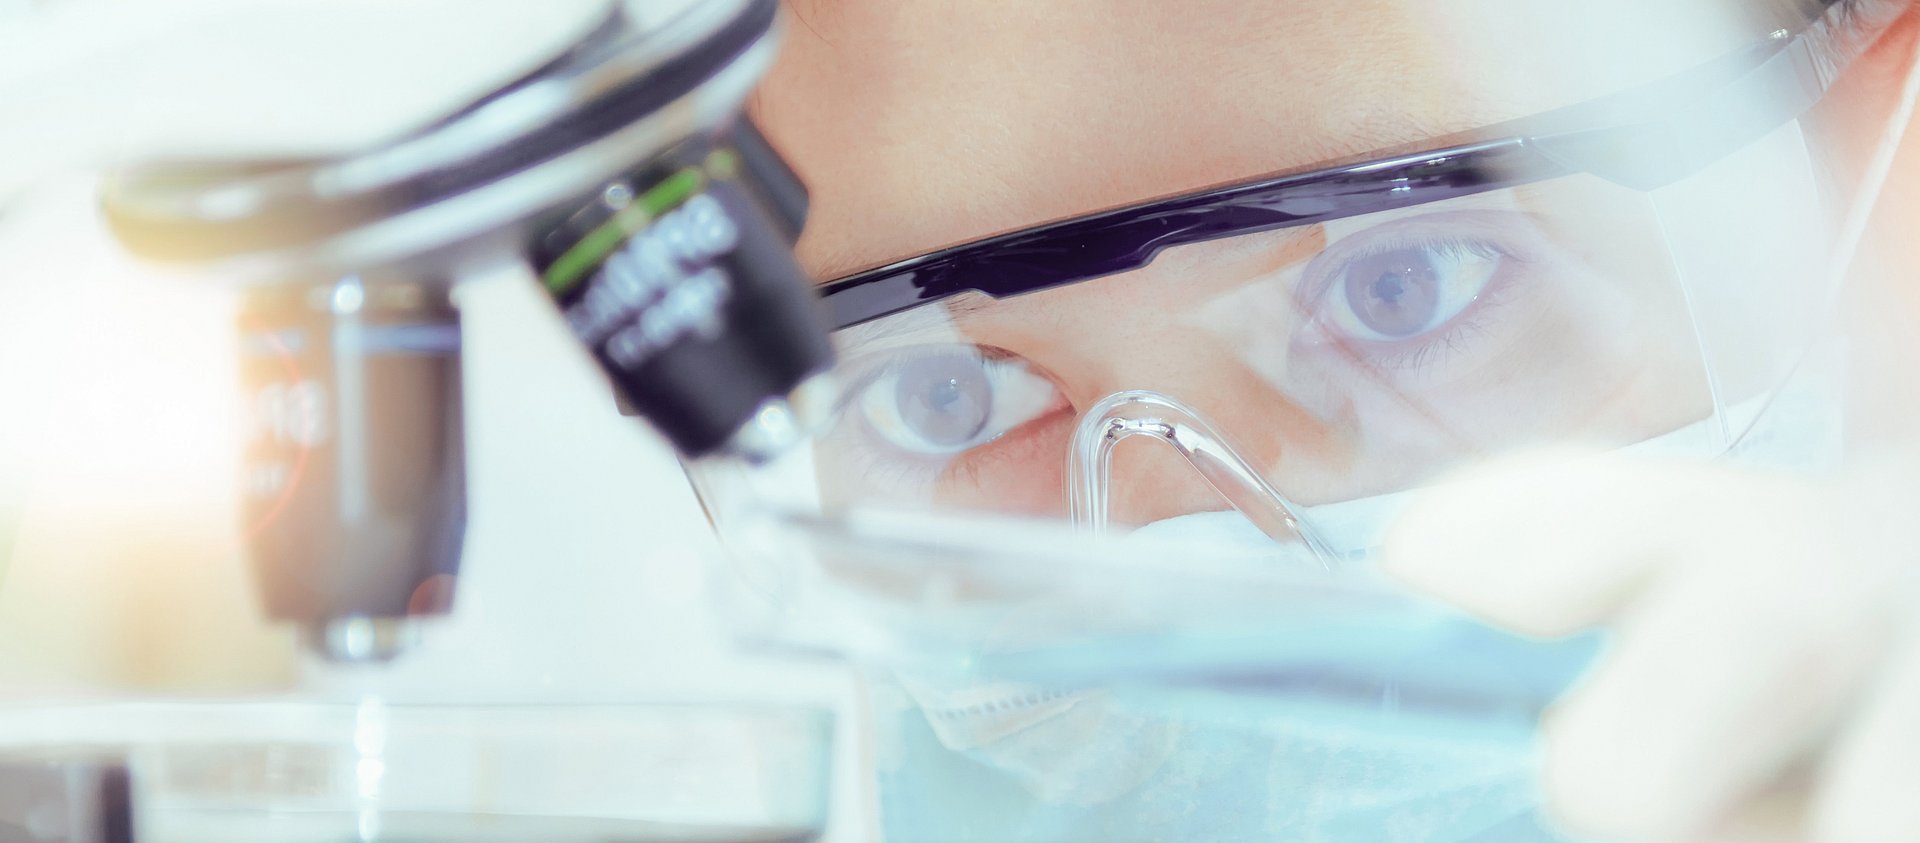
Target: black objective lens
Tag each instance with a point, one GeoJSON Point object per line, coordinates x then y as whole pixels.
{"type": "Point", "coordinates": [659, 221]}
{"type": "Point", "coordinates": [355, 485]}
{"type": "Point", "coordinates": [681, 279]}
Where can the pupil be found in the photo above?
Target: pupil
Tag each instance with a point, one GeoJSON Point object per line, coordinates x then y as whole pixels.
{"type": "Point", "coordinates": [1395, 293]}
{"type": "Point", "coordinates": [944, 395]}
{"type": "Point", "coordinates": [944, 400]}
{"type": "Point", "coordinates": [1389, 288]}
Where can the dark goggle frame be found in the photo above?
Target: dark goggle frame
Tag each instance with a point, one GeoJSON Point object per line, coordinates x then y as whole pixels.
{"type": "Point", "coordinates": [1642, 139]}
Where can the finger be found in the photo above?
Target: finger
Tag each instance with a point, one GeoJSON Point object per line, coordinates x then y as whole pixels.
{"type": "Point", "coordinates": [1720, 679]}
{"type": "Point", "coordinates": [1871, 790]}
{"type": "Point", "coordinates": [1551, 542]}
{"type": "Point", "coordinates": [1776, 815]}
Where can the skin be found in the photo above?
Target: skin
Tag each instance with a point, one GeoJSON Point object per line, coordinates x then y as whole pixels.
{"type": "Point", "coordinates": [968, 120]}
{"type": "Point", "coordinates": [919, 124]}
{"type": "Point", "coordinates": [983, 118]}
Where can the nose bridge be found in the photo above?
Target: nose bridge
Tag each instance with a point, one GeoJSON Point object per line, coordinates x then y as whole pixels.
{"type": "Point", "coordinates": [1146, 481]}
{"type": "Point", "coordinates": [1179, 439]}
{"type": "Point", "coordinates": [1146, 478]}
{"type": "Point", "coordinates": [1148, 347]}
{"type": "Point", "coordinates": [1124, 394]}
{"type": "Point", "coordinates": [1118, 336]}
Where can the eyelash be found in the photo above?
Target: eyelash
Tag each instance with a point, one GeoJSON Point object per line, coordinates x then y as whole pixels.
{"type": "Point", "coordinates": [895, 470]}
{"type": "Point", "coordinates": [1449, 339]}
{"type": "Point", "coordinates": [878, 363]}
{"type": "Point", "coordinates": [1320, 277]}
{"type": "Point", "coordinates": [890, 467]}
{"type": "Point", "coordinates": [1329, 269]}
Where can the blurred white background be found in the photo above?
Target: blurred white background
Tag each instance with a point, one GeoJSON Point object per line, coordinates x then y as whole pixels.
{"type": "Point", "coordinates": [586, 562]}
{"type": "Point", "coordinates": [585, 573]}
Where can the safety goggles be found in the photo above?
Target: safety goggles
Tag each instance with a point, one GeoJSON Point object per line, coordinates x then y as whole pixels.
{"type": "Point", "coordinates": [1605, 273]}
{"type": "Point", "coordinates": [1642, 140]}
{"type": "Point", "coordinates": [1653, 269]}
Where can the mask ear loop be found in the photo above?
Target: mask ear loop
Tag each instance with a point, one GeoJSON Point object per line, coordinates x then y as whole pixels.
{"type": "Point", "coordinates": [1140, 413]}
{"type": "Point", "coordinates": [1847, 235]}
{"type": "Point", "coordinates": [1853, 227]}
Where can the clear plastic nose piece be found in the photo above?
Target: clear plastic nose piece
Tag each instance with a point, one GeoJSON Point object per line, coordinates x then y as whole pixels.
{"type": "Point", "coordinates": [1142, 413]}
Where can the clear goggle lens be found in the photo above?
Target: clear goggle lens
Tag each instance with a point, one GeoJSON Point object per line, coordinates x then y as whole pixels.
{"type": "Point", "coordinates": [1355, 358]}
{"type": "Point", "coordinates": [1301, 377]}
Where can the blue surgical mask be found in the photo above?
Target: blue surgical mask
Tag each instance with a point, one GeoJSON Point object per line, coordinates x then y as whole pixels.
{"type": "Point", "coordinates": [1005, 760]}
{"type": "Point", "coordinates": [1105, 767]}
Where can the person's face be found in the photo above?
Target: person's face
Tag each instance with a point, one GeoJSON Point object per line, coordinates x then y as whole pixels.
{"type": "Point", "coordinates": [1347, 359]}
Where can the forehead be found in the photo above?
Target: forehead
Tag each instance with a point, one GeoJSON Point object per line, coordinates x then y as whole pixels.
{"type": "Point", "coordinates": [922, 123]}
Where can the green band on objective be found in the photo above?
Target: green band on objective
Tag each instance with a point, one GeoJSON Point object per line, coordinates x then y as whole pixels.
{"type": "Point", "coordinates": [573, 265]}
{"type": "Point", "coordinates": [723, 164]}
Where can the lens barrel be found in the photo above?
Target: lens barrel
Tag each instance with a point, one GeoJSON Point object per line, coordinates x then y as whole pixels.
{"type": "Point", "coordinates": [355, 469]}
{"type": "Point", "coordinates": [660, 222]}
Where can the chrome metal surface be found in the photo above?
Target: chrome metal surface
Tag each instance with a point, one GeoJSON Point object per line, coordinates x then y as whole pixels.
{"type": "Point", "coordinates": [364, 640]}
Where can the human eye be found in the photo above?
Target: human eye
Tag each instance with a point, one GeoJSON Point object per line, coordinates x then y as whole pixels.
{"type": "Point", "coordinates": [1399, 292]}
{"type": "Point", "coordinates": [1409, 290]}
{"type": "Point", "coordinates": [939, 401]}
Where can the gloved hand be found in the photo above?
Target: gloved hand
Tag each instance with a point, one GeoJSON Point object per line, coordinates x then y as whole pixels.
{"type": "Point", "coordinates": [118, 444]}
{"type": "Point", "coordinates": [1762, 680]}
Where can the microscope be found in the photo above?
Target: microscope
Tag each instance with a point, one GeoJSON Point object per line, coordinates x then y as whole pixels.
{"type": "Point", "coordinates": [622, 173]}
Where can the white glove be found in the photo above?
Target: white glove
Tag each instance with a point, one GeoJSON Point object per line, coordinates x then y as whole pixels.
{"type": "Point", "coordinates": [1763, 676]}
